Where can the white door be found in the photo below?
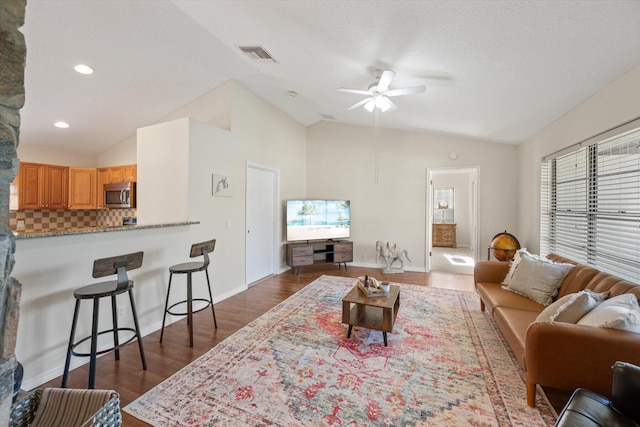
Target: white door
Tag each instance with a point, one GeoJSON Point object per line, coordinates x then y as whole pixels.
{"type": "Point", "coordinates": [262, 193]}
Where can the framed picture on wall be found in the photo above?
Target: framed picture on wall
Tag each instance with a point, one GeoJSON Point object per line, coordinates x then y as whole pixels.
{"type": "Point", "coordinates": [222, 185]}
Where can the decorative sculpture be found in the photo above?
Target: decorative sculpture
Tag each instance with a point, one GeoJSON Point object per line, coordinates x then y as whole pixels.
{"type": "Point", "coordinates": [390, 254]}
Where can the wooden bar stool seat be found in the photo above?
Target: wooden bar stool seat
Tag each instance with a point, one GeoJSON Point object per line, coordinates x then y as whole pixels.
{"type": "Point", "coordinates": [105, 267]}
{"type": "Point", "coordinates": [197, 249]}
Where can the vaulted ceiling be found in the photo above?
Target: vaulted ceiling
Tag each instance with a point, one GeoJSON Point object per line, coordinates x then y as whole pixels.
{"type": "Point", "coordinates": [495, 70]}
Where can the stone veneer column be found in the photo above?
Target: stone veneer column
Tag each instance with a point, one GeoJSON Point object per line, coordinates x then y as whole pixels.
{"type": "Point", "coordinates": [13, 53]}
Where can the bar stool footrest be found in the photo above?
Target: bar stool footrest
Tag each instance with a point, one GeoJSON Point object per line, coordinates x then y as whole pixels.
{"type": "Point", "coordinates": [107, 350]}
{"type": "Point", "coordinates": [209, 304]}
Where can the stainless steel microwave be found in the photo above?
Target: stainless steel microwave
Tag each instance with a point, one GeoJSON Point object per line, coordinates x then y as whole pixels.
{"type": "Point", "coordinates": [120, 195]}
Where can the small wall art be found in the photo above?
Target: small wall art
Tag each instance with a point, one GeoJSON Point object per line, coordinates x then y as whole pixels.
{"type": "Point", "coordinates": [222, 185]}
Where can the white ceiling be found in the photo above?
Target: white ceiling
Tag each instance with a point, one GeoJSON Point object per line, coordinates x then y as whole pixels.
{"type": "Point", "coordinates": [495, 70]}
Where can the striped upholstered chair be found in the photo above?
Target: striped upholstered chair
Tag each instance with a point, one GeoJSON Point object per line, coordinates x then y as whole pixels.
{"type": "Point", "coordinates": [65, 407]}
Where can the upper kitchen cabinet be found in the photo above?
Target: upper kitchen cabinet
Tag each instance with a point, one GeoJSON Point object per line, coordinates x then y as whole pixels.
{"type": "Point", "coordinates": [42, 186]}
{"type": "Point", "coordinates": [129, 172]}
{"type": "Point", "coordinates": [113, 174]}
{"type": "Point", "coordinates": [82, 188]}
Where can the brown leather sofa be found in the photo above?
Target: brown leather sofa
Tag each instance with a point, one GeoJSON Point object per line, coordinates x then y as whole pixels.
{"type": "Point", "coordinates": [564, 356]}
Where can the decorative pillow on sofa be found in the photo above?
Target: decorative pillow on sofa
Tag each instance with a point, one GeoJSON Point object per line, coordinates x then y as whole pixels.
{"type": "Point", "coordinates": [537, 279]}
{"type": "Point", "coordinates": [514, 264]}
{"type": "Point", "coordinates": [620, 312]}
{"type": "Point", "coordinates": [570, 308]}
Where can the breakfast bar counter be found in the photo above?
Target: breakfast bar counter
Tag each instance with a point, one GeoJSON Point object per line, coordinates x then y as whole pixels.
{"type": "Point", "coordinates": [31, 234]}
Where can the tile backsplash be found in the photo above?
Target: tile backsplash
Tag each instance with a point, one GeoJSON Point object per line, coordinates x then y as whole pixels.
{"type": "Point", "coordinates": [30, 220]}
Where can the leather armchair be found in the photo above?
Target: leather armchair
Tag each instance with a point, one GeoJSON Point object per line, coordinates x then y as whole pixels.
{"type": "Point", "coordinates": [588, 409]}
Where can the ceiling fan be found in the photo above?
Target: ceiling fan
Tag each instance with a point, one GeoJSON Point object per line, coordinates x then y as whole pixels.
{"type": "Point", "coordinates": [379, 93]}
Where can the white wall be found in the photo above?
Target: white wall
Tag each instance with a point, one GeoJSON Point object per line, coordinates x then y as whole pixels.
{"type": "Point", "coordinates": [123, 153]}
{"type": "Point", "coordinates": [341, 165]}
{"type": "Point", "coordinates": [54, 156]}
{"type": "Point", "coordinates": [163, 173]}
{"type": "Point", "coordinates": [611, 106]}
{"type": "Point", "coordinates": [266, 136]}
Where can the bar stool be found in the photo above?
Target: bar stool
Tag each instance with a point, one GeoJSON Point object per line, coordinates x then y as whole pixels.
{"type": "Point", "coordinates": [105, 267]}
{"type": "Point", "coordinates": [188, 268]}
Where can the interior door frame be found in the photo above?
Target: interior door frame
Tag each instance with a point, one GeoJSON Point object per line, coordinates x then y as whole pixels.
{"type": "Point", "coordinates": [275, 262]}
{"type": "Point", "coordinates": [474, 205]}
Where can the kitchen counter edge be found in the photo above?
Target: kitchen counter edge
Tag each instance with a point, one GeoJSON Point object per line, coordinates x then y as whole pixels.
{"type": "Point", "coordinates": [92, 230]}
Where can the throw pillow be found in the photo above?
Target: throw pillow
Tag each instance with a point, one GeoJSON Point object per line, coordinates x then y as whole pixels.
{"type": "Point", "coordinates": [570, 308]}
{"type": "Point", "coordinates": [514, 264]}
{"type": "Point", "coordinates": [620, 312]}
{"type": "Point", "coordinates": [538, 279]}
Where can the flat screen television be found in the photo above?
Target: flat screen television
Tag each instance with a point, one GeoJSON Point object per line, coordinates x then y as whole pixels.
{"type": "Point", "coordinates": [318, 219]}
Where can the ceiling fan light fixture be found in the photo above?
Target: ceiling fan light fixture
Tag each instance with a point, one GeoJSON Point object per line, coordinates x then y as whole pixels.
{"type": "Point", "coordinates": [379, 94]}
{"type": "Point", "coordinates": [369, 106]}
{"type": "Point", "coordinates": [382, 103]}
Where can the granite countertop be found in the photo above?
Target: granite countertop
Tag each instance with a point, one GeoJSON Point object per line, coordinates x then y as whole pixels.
{"type": "Point", "coordinates": [90, 230]}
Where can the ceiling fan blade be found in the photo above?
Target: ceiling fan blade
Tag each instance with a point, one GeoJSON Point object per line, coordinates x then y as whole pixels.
{"type": "Point", "coordinates": [385, 80]}
{"type": "Point", "coordinates": [406, 91]}
{"type": "Point", "coordinates": [358, 104]}
{"type": "Point", "coordinates": [359, 92]}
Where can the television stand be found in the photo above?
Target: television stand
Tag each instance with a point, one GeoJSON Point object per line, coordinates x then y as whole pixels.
{"type": "Point", "coordinates": [318, 252]}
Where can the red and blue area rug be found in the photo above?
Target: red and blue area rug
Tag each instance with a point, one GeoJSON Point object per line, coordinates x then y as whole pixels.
{"type": "Point", "coordinates": [446, 365]}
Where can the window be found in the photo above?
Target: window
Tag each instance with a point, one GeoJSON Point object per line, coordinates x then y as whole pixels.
{"type": "Point", "coordinates": [590, 203]}
{"type": "Point", "coordinates": [443, 205]}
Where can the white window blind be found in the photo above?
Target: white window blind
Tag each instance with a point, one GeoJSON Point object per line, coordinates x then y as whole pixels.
{"type": "Point", "coordinates": [590, 205]}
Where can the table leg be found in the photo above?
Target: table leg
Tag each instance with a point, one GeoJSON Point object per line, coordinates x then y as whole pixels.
{"type": "Point", "coordinates": [349, 331]}
{"type": "Point", "coordinates": [384, 335]}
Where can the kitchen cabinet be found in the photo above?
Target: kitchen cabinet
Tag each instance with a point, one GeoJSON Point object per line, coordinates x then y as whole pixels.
{"type": "Point", "coordinates": [82, 188]}
{"type": "Point", "coordinates": [123, 173]}
{"type": "Point", "coordinates": [103, 175]}
{"type": "Point", "coordinates": [42, 186]}
{"type": "Point", "coordinates": [130, 173]}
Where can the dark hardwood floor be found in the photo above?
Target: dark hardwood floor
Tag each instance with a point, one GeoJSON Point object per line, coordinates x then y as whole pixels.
{"type": "Point", "coordinates": [127, 377]}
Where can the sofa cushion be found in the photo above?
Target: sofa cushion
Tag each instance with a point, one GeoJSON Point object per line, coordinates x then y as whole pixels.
{"type": "Point", "coordinates": [493, 295]}
{"type": "Point", "coordinates": [537, 278]}
{"type": "Point", "coordinates": [570, 308]}
{"type": "Point", "coordinates": [620, 312]}
{"type": "Point", "coordinates": [513, 324]}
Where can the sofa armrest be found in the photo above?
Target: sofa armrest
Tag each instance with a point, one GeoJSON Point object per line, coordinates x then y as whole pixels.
{"type": "Point", "coordinates": [490, 271]}
{"type": "Point", "coordinates": [568, 356]}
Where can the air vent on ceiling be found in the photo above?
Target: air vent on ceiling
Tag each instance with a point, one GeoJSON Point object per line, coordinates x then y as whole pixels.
{"type": "Point", "coordinates": [257, 53]}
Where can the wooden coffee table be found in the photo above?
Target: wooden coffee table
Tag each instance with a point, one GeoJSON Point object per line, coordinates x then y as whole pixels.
{"type": "Point", "coordinates": [377, 313]}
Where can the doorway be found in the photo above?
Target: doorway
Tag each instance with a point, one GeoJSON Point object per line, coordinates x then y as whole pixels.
{"type": "Point", "coordinates": [263, 193]}
{"type": "Point", "coordinates": [452, 219]}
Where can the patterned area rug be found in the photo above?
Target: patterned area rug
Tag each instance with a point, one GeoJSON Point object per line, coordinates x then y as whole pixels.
{"type": "Point", "coordinates": [446, 365]}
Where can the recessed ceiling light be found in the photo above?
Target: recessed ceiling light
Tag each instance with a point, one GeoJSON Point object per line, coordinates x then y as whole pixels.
{"type": "Point", "coordinates": [83, 69]}
{"type": "Point", "coordinates": [61, 125]}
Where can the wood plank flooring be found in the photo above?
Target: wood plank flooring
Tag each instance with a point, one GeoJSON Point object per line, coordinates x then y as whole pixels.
{"type": "Point", "coordinates": [164, 359]}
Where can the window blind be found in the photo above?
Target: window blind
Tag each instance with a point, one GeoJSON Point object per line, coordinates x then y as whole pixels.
{"type": "Point", "coordinates": [590, 205]}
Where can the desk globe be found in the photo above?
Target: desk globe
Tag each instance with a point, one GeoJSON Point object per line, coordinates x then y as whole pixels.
{"type": "Point", "coordinates": [504, 246]}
